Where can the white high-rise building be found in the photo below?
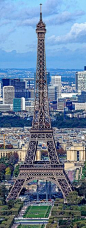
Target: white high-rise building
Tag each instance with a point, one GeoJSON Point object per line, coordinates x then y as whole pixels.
{"type": "Point", "coordinates": [8, 94]}
{"type": "Point", "coordinates": [22, 103]}
{"type": "Point", "coordinates": [56, 81]}
{"type": "Point", "coordinates": [80, 81]}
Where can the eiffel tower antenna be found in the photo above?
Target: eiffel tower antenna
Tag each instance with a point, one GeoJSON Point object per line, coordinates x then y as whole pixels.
{"type": "Point", "coordinates": [40, 12]}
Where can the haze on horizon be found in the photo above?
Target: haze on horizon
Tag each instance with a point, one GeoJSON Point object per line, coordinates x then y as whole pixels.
{"type": "Point", "coordinates": [65, 37]}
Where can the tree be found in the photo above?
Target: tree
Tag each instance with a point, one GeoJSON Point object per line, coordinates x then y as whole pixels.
{"type": "Point", "coordinates": [1, 146]}
{"type": "Point", "coordinates": [61, 151]}
{"type": "Point", "coordinates": [1, 176]}
{"type": "Point", "coordinates": [13, 158]}
{"type": "Point", "coordinates": [8, 173]}
{"type": "Point", "coordinates": [2, 171]}
{"type": "Point", "coordinates": [73, 198]}
{"type": "Point", "coordinates": [82, 189]}
{"type": "Point", "coordinates": [2, 167]}
{"type": "Point", "coordinates": [75, 226]}
{"type": "Point", "coordinates": [84, 171]}
{"type": "Point", "coordinates": [11, 168]}
{"type": "Point", "coordinates": [3, 192]}
{"type": "Point", "coordinates": [9, 146]}
{"type": "Point", "coordinates": [81, 223]}
{"type": "Point", "coordinates": [10, 204]}
{"type": "Point", "coordinates": [16, 171]}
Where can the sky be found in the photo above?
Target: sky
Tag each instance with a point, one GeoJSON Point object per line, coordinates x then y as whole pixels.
{"type": "Point", "coordinates": [65, 41]}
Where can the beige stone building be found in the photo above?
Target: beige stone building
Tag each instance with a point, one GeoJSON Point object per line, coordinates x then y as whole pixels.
{"type": "Point", "coordinates": [76, 153]}
{"type": "Point", "coordinates": [21, 152]}
{"type": "Point", "coordinates": [76, 156]}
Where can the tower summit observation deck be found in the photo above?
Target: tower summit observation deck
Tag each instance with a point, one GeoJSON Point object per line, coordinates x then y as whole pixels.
{"type": "Point", "coordinates": [41, 132]}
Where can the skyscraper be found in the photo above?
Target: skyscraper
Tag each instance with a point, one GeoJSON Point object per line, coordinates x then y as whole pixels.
{"type": "Point", "coordinates": [52, 93]}
{"type": "Point", "coordinates": [18, 104]}
{"type": "Point", "coordinates": [80, 81]}
{"type": "Point", "coordinates": [8, 94]}
{"type": "Point", "coordinates": [56, 81]}
{"type": "Point", "coordinates": [20, 86]}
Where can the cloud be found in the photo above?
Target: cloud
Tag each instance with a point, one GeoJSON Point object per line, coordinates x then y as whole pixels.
{"type": "Point", "coordinates": [52, 7]}
{"type": "Point", "coordinates": [29, 22]}
{"type": "Point", "coordinates": [7, 9]}
{"type": "Point", "coordinates": [60, 19]}
{"type": "Point", "coordinates": [4, 22]}
{"type": "Point", "coordinates": [58, 57]}
{"type": "Point", "coordinates": [71, 4]}
{"type": "Point", "coordinates": [4, 36]}
{"type": "Point", "coordinates": [64, 17]}
{"type": "Point", "coordinates": [17, 60]}
{"type": "Point", "coordinates": [66, 58]}
{"type": "Point", "coordinates": [21, 14]}
{"type": "Point", "coordinates": [77, 34]}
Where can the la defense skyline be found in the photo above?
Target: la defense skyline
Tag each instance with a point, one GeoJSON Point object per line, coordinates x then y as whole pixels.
{"type": "Point", "coordinates": [41, 131]}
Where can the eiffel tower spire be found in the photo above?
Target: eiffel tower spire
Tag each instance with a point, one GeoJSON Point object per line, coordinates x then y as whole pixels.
{"type": "Point", "coordinates": [41, 119]}
{"type": "Point", "coordinates": [40, 12]}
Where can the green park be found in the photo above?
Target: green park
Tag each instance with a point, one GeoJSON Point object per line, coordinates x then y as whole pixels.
{"type": "Point", "coordinates": [37, 212]}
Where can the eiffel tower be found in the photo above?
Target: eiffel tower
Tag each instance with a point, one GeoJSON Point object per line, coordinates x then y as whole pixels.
{"type": "Point", "coordinates": [41, 131]}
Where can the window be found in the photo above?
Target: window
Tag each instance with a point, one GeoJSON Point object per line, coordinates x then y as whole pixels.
{"type": "Point", "coordinates": [77, 155]}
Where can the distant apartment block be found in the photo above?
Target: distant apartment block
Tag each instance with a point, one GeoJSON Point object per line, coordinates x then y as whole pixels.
{"type": "Point", "coordinates": [29, 106]}
{"type": "Point", "coordinates": [61, 104]}
{"type": "Point", "coordinates": [82, 97]}
{"type": "Point", "coordinates": [8, 94]}
{"type": "Point", "coordinates": [79, 106]}
{"type": "Point", "coordinates": [6, 107]}
{"type": "Point", "coordinates": [53, 105]}
{"type": "Point", "coordinates": [30, 110]}
{"type": "Point", "coordinates": [69, 104]}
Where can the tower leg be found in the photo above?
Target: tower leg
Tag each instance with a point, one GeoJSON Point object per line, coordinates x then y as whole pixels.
{"type": "Point", "coordinates": [46, 191]}
{"type": "Point", "coordinates": [37, 190]}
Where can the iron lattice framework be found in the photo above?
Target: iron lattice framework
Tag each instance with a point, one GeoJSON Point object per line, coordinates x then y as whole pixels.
{"type": "Point", "coordinates": [41, 120]}
{"type": "Point", "coordinates": [41, 130]}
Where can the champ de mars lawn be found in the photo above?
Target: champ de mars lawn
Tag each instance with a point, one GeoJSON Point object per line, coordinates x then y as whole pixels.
{"type": "Point", "coordinates": [37, 212]}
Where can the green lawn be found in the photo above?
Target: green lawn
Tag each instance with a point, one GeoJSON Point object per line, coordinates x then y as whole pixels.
{"type": "Point", "coordinates": [37, 212]}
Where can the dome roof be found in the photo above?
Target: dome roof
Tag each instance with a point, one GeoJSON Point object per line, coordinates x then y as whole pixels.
{"type": "Point", "coordinates": [41, 25]}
